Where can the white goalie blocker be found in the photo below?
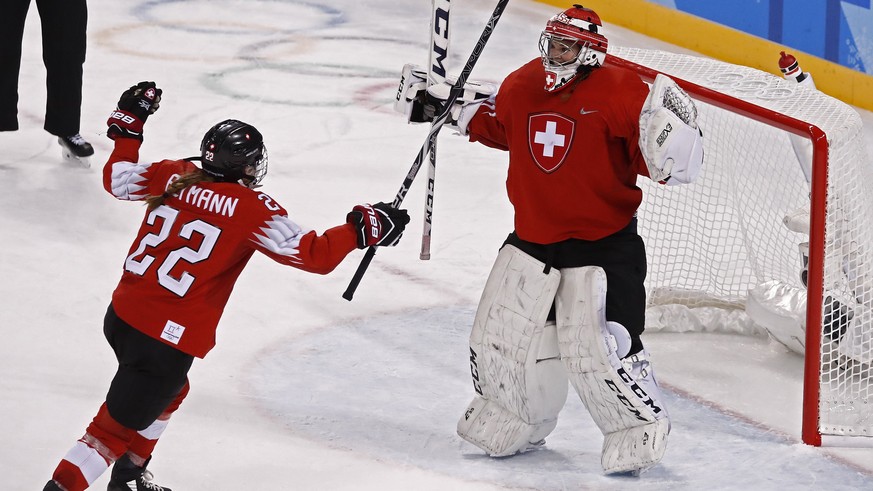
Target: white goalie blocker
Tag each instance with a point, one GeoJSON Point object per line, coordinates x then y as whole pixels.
{"type": "Point", "coordinates": [521, 364]}
{"type": "Point", "coordinates": [670, 140]}
{"type": "Point", "coordinates": [411, 92]}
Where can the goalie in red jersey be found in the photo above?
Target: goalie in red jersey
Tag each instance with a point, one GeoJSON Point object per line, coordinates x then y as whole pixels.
{"type": "Point", "coordinates": [202, 226]}
{"type": "Point", "coordinates": [565, 298]}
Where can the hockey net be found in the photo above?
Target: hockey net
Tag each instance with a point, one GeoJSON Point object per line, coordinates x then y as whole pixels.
{"type": "Point", "coordinates": [713, 242]}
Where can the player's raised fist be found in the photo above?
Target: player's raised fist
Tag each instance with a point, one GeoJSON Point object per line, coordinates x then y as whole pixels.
{"type": "Point", "coordinates": [141, 100]}
{"type": "Point", "coordinates": [134, 107]}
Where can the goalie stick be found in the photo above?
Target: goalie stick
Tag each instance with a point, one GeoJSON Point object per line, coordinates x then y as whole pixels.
{"type": "Point", "coordinates": [436, 74]}
{"type": "Point", "coordinates": [431, 137]}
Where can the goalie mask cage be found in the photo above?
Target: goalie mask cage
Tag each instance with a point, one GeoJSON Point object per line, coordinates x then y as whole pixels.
{"type": "Point", "coordinates": [709, 243]}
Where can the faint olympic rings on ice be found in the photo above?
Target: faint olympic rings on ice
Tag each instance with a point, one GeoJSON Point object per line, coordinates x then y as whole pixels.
{"type": "Point", "coordinates": [309, 14]}
{"type": "Point", "coordinates": [358, 84]}
{"type": "Point", "coordinates": [117, 39]}
{"type": "Point", "coordinates": [253, 51]}
{"type": "Point", "coordinates": [248, 82]}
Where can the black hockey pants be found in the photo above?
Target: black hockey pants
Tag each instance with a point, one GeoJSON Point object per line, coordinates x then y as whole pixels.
{"type": "Point", "coordinates": [150, 374]}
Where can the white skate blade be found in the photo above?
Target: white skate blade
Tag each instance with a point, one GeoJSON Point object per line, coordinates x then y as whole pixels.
{"type": "Point", "coordinates": [68, 156]}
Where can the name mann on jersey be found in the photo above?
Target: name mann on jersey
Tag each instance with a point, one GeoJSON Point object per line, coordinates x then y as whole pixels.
{"type": "Point", "coordinates": [208, 200]}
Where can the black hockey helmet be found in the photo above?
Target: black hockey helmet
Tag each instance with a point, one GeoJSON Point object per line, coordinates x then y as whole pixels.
{"type": "Point", "coordinates": [233, 151]}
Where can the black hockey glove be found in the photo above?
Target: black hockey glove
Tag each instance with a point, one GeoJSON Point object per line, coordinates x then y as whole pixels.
{"type": "Point", "coordinates": [135, 106]}
{"type": "Point", "coordinates": [425, 107]}
{"type": "Point", "coordinates": [429, 104]}
{"type": "Point", "coordinates": [378, 225]}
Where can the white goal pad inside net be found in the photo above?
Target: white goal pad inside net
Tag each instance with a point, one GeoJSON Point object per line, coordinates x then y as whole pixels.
{"type": "Point", "coordinates": [712, 242]}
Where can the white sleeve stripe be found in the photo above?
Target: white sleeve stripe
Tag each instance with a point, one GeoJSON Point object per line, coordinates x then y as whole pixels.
{"type": "Point", "coordinates": [126, 180]}
{"type": "Point", "coordinates": [281, 236]}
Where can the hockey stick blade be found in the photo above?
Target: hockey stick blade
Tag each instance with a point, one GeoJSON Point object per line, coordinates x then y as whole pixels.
{"type": "Point", "coordinates": [431, 137]}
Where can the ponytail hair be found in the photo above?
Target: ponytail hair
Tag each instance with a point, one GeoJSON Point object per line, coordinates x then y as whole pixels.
{"type": "Point", "coordinates": [193, 177]}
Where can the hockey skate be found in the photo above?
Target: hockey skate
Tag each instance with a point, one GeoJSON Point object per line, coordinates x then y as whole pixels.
{"type": "Point", "coordinates": [126, 476]}
{"type": "Point", "coordinates": [75, 149]}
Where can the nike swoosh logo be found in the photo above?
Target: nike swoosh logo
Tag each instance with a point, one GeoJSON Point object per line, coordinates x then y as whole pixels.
{"type": "Point", "coordinates": [584, 112]}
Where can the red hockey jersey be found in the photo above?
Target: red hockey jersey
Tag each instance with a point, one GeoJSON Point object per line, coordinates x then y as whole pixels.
{"type": "Point", "coordinates": [574, 154]}
{"type": "Point", "coordinates": [189, 251]}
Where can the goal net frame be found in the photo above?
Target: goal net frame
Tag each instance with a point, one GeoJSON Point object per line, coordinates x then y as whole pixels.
{"type": "Point", "coordinates": [811, 431]}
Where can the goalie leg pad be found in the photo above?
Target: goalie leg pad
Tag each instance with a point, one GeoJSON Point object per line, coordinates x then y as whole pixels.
{"type": "Point", "coordinates": [519, 414]}
{"type": "Point", "coordinates": [636, 449]}
{"type": "Point", "coordinates": [621, 395]}
{"type": "Point", "coordinates": [520, 382]}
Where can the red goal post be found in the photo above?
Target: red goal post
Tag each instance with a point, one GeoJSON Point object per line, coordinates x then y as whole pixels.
{"type": "Point", "coordinates": [711, 242]}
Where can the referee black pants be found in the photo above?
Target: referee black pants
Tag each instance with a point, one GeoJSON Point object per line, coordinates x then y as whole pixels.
{"type": "Point", "coordinates": [64, 25]}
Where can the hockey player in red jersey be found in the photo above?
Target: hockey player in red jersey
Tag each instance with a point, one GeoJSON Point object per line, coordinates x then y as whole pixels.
{"type": "Point", "coordinates": [565, 299]}
{"type": "Point", "coordinates": [202, 226]}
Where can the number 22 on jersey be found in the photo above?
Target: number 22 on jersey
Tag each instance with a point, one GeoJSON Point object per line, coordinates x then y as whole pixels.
{"type": "Point", "coordinates": [140, 261]}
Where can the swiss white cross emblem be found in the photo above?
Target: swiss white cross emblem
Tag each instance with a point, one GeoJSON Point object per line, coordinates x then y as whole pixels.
{"type": "Point", "coordinates": [551, 79]}
{"type": "Point", "coordinates": [549, 136]}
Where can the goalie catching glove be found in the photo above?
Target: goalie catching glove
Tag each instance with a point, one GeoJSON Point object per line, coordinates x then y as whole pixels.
{"type": "Point", "coordinates": [135, 106]}
{"type": "Point", "coordinates": [378, 225]}
{"type": "Point", "coordinates": [670, 140]}
{"type": "Point", "coordinates": [422, 104]}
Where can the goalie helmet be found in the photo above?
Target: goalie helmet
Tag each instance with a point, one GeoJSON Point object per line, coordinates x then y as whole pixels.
{"type": "Point", "coordinates": [571, 39]}
{"type": "Point", "coordinates": [233, 151]}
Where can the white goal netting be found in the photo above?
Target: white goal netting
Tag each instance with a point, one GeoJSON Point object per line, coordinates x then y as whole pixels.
{"type": "Point", "coordinates": [713, 242]}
